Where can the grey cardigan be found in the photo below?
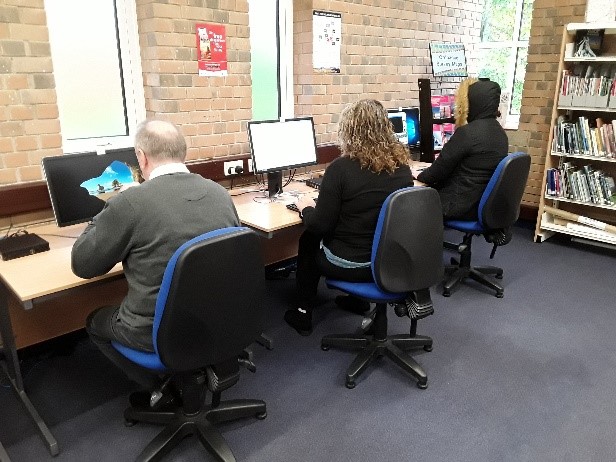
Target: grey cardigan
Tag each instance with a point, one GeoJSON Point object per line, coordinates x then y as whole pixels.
{"type": "Point", "coordinates": [142, 227]}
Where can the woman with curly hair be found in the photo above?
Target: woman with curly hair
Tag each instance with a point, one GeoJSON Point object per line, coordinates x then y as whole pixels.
{"type": "Point", "coordinates": [337, 241]}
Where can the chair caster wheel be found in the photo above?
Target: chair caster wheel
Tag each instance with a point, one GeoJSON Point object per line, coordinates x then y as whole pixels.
{"type": "Point", "coordinates": [446, 293]}
{"type": "Point", "coordinates": [129, 423]}
{"type": "Point", "coordinates": [350, 384]}
{"type": "Point", "coordinates": [427, 347]}
{"type": "Point", "coordinates": [499, 276]}
{"type": "Point", "coordinates": [500, 294]}
{"type": "Point", "coordinates": [422, 385]}
{"type": "Point", "coordinates": [261, 415]}
{"type": "Point", "coordinates": [325, 347]}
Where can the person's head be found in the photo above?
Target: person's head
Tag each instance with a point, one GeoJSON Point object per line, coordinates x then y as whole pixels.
{"type": "Point", "coordinates": [158, 142]}
{"type": "Point", "coordinates": [476, 99]}
{"type": "Point", "coordinates": [366, 135]}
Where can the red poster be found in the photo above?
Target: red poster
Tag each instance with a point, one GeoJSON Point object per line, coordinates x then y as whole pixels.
{"type": "Point", "coordinates": [211, 49]}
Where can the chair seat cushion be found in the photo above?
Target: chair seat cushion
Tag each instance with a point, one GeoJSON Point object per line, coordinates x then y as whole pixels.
{"type": "Point", "coordinates": [465, 226]}
{"type": "Point", "coordinates": [365, 290]}
{"type": "Point", "coordinates": [143, 358]}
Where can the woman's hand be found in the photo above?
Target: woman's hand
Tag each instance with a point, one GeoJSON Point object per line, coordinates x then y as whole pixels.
{"type": "Point", "coordinates": [304, 201]}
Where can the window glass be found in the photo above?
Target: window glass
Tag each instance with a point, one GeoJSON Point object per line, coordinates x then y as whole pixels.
{"type": "Point", "coordinates": [86, 68]}
{"type": "Point", "coordinates": [264, 67]}
{"type": "Point", "coordinates": [93, 48]}
{"type": "Point", "coordinates": [527, 13]}
{"type": "Point", "coordinates": [498, 20]}
{"type": "Point", "coordinates": [502, 52]}
{"type": "Point", "coordinates": [518, 81]}
{"type": "Point", "coordinates": [494, 62]}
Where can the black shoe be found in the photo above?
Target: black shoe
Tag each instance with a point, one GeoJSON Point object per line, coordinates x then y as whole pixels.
{"type": "Point", "coordinates": [300, 320]}
{"type": "Point", "coordinates": [352, 304]}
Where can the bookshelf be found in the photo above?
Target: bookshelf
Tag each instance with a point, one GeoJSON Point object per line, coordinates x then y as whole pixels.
{"type": "Point", "coordinates": [427, 121]}
{"type": "Point", "coordinates": [578, 194]}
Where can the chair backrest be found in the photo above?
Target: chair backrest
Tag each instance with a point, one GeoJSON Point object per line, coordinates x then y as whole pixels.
{"type": "Point", "coordinates": [209, 307]}
{"type": "Point", "coordinates": [407, 250]}
{"type": "Point", "coordinates": [499, 206]}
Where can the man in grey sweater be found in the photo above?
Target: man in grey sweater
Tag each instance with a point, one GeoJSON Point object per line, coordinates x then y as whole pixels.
{"type": "Point", "coordinates": [142, 227]}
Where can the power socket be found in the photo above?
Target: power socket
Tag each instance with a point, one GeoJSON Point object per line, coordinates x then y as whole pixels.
{"type": "Point", "coordinates": [231, 165]}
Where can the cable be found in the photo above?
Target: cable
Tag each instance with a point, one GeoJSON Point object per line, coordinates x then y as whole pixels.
{"type": "Point", "coordinates": [60, 235]}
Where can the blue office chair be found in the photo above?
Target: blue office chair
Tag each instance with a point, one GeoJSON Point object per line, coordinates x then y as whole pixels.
{"type": "Point", "coordinates": [407, 254]}
{"type": "Point", "coordinates": [203, 321]}
{"type": "Point", "coordinates": [499, 209]}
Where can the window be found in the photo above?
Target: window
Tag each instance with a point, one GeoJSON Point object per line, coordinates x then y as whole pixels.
{"type": "Point", "coordinates": [271, 52]}
{"type": "Point", "coordinates": [97, 69]}
{"type": "Point", "coordinates": [503, 50]}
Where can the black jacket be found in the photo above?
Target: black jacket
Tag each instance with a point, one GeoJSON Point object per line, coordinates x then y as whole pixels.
{"type": "Point", "coordinates": [350, 199]}
{"type": "Point", "coordinates": [468, 159]}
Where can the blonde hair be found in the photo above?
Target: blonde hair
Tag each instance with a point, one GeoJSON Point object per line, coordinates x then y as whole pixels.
{"type": "Point", "coordinates": [461, 113]}
{"type": "Point", "coordinates": [366, 134]}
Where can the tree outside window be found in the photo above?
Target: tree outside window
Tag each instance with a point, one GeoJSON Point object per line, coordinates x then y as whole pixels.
{"type": "Point", "coordinates": [503, 49]}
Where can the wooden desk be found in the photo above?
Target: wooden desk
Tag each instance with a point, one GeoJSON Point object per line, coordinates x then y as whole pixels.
{"type": "Point", "coordinates": [279, 226]}
{"type": "Point", "coordinates": [38, 280]}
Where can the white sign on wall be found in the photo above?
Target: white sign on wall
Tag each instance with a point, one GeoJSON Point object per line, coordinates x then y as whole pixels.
{"type": "Point", "coordinates": [448, 59]}
{"type": "Point", "coordinates": [326, 41]}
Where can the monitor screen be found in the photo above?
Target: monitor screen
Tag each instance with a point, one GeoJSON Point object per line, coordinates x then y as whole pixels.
{"type": "Point", "coordinates": [79, 184]}
{"type": "Point", "coordinates": [280, 145]}
{"type": "Point", "coordinates": [412, 125]}
{"type": "Point", "coordinates": [405, 121]}
{"type": "Point", "coordinates": [398, 122]}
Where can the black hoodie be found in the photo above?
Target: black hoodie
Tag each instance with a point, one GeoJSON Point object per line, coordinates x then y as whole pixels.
{"type": "Point", "coordinates": [468, 159]}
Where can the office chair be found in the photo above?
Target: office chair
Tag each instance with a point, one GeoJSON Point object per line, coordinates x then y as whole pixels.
{"type": "Point", "coordinates": [208, 310]}
{"type": "Point", "coordinates": [499, 208]}
{"type": "Point", "coordinates": [406, 260]}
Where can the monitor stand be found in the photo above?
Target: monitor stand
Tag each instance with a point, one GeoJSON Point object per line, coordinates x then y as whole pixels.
{"type": "Point", "coordinates": [274, 183]}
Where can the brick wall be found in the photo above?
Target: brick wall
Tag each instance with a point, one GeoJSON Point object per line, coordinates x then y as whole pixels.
{"type": "Point", "coordinates": [549, 17]}
{"type": "Point", "coordinates": [211, 111]}
{"type": "Point", "coordinates": [385, 50]}
{"type": "Point", "coordinates": [29, 125]}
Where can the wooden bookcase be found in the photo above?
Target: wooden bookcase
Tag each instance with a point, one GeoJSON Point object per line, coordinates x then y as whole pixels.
{"type": "Point", "coordinates": [568, 107]}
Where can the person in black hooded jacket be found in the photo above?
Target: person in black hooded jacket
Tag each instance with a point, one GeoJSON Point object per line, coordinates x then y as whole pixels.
{"type": "Point", "coordinates": [463, 169]}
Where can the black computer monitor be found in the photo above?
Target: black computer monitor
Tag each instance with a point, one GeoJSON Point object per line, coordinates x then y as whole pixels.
{"type": "Point", "coordinates": [405, 121]}
{"type": "Point", "coordinates": [277, 145]}
{"type": "Point", "coordinates": [79, 184]}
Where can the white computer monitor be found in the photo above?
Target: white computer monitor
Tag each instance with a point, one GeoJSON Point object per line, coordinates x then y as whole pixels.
{"type": "Point", "coordinates": [398, 122]}
{"type": "Point", "coordinates": [277, 145]}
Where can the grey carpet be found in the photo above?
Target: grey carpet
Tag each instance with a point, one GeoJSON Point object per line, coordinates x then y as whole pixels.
{"type": "Point", "coordinates": [530, 377]}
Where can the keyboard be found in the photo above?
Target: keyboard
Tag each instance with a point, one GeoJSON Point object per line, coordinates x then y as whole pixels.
{"type": "Point", "coordinates": [293, 207]}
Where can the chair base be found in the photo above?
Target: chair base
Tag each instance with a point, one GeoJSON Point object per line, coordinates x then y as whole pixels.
{"type": "Point", "coordinates": [462, 269]}
{"type": "Point", "coordinates": [457, 273]}
{"type": "Point", "coordinates": [179, 425]}
{"type": "Point", "coordinates": [372, 347]}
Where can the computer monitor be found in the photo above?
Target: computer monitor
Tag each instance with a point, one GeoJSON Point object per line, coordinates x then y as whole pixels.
{"type": "Point", "coordinates": [277, 145]}
{"type": "Point", "coordinates": [398, 122]}
{"type": "Point", "coordinates": [405, 121]}
{"type": "Point", "coordinates": [79, 184]}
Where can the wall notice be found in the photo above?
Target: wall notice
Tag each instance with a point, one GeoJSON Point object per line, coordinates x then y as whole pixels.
{"type": "Point", "coordinates": [326, 41]}
{"type": "Point", "coordinates": [448, 59]}
{"type": "Point", "coordinates": [211, 49]}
